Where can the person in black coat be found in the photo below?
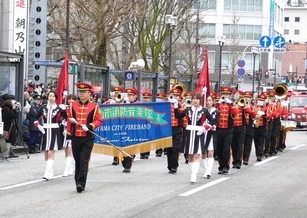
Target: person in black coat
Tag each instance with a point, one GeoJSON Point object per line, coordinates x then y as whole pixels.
{"type": "Point", "coordinates": [35, 134]}
{"type": "Point", "coordinates": [9, 114]}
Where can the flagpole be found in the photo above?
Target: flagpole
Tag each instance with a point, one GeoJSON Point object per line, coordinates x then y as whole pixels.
{"type": "Point", "coordinates": [67, 24]}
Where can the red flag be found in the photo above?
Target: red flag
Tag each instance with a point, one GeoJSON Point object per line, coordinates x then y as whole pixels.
{"type": "Point", "coordinates": [204, 80]}
{"type": "Point", "coordinates": [62, 86]}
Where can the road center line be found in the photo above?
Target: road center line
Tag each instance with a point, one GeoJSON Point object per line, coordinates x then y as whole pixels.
{"type": "Point", "coordinates": [27, 183]}
{"type": "Point", "coordinates": [266, 160]}
{"type": "Point", "coordinates": [301, 145]}
{"type": "Point", "coordinates": [193, 191]}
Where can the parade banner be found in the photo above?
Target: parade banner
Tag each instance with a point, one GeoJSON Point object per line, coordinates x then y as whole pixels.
{"type": "Point", "coordinates": [135, 128]}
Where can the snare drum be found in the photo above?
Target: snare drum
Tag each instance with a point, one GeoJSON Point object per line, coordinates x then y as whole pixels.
{"type": "Point", "coordinates": [288, 125]}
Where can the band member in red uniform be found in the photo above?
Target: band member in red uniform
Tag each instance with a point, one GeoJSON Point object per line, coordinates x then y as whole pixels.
{"type": "Point", "coordinates": [272, 107]}
{"type": "Point", "coordinates": [262, 114]}
{"type": "Point", "coordinates": [283, 134]}
{"type": "Point", "coordinates": [177, 123]}
{"type": "Point", "coordinates": [239, 130]}
{"type": "Point", "coordinates": [225, 129]}
{"type": "Point", "coordinates": [82, 117]}
{"type": "Point", "coordinates": [249, 136]}
{"type": "Point", "coordinates": [160, 97]}
{"type": "Point", "coordinates": [146, 98]}
{"type": "Point", "coordinates": [127, 162]}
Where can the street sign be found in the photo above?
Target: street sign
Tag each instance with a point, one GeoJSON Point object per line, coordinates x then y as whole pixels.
{"type": "Point", "coordinates": [263, 50]}
{"type": "Point", "coordinates": [279, 41]}
{"type": "Point", "coordinates": [279, 50]}
{"type": "Point", "coordinates": [265, 41]}
{"type": "Point", "coordinates": [241, 71]}
{"type": "Point", "coordinates": [129, 76]}
{"type": "Point", "coordinates": [241, 63]}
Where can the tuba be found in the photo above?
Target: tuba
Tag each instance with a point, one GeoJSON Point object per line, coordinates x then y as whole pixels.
{"type": "Point", "coordinates": [179, 86]}
{"type": "Point", "coordinates": [281, 91]}
{"type": "Point", "coordinates": [188, 102]}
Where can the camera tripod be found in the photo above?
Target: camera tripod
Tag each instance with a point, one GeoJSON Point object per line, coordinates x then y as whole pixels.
{"type": "Point", "coordinates": [19, 139]}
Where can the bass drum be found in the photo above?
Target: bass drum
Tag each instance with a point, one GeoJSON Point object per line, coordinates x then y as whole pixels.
{"type": "Point", "coordinates": [288, 125]}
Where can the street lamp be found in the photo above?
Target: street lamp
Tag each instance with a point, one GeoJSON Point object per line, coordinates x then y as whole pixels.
{"type": "Point", "coordinates": [221, 40]}
{"type": "Point", "coordinates": [138, 66]}
{"type": "Point", "coordinates": [255, 51]}
{"type": "Point", "coordinates": [171, 21]}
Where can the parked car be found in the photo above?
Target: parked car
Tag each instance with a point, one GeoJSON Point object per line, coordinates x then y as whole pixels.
{"type": "Point", "coordinates": [298, 109]}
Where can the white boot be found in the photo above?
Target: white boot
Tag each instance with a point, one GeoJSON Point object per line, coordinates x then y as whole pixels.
{"type": "Point", "coordinates": [194, 166]}
{"type": "Point", "coordinates": [205, 165]}
{"type": "Point", "coordinates": [69, 167]}
{"type": "Point", "coordinates": [210, 166]}
{"type": "Point", "coordinates": [49, 170]}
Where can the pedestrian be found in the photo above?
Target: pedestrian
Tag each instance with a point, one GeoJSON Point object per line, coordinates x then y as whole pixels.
{"type": "Point", "coordinates": [83, 117]}
{"type": "Point", "coordinates": [69, 166]}
{"type": "Point", "coordinates": [210, 143]}
{"type": "Point", "coordinates": [9, 115]}
{"type": "Point", "coordinates": [52, 136]}
{"type": "Point", "coordinates": [35, 133]}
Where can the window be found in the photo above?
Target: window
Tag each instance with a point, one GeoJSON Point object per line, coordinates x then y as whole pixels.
{"type": "Point", "coordinates": [207, 30]}
{"type": "Point", "coordinates": [296, 32]}
{"type": "Point", "coordinates": [246, 32]}
{"type": "Point", "coordinates": [205, 4]}
{"type": "Point", "coordinates": [286, 32]}
{"type": "Point", "coordinates": [297, 19]}
{"type": "Point", "coordinates": [287, 19]}
{"type": "Point", "coordinates": [243, 5]}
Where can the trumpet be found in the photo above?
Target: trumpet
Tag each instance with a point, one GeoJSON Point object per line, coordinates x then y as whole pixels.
{"type": "Point", "coordinates": [241, 101]}
{"type": "Point", "coordinates": [122, 98]}
{"type": "Point", "coordinates": [171, 97]}
{"type": "Point", "coordinates": [188, 102]}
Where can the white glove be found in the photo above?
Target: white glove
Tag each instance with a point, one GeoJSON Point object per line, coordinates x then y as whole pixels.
{"type": "Point", "coordinates": [63, 106]}
{"type": "Point", "coordinates": [228, 101]}
{"type": "Point", "coordinates": [64, 133]}
{"type": "Point", "coordinates": [221, 101]}
{"type": "Point", "coordinates": [41, 128]}
{"type": "Point", "coordinates": [176, 105]}
{"type": "Point", "coordinates": [84, 128]}
{"type": "Point", "coordinates": [73, 120]}
{"type": "Point", "coordinates": [201, 131]}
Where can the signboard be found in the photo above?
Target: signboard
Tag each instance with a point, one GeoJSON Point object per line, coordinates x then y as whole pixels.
{"type": "Point", "coordinates": [135, 128]}
{"type": "Point", "coordinates": [279, 41]}
{"type": "Point", "coordinates": [241, 72]}
{"type": "Point", "coordinates": [265, 41]}
{"type": "Point", "coordinates": [129, 76]}
{"type": "Point", "coordinates": [20, 26]}
{"type": "Point", "coordinates": [241, 63]}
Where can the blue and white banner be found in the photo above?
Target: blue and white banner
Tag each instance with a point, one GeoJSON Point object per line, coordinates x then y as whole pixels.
{"type": "Point", "coordinates": [135, 128]}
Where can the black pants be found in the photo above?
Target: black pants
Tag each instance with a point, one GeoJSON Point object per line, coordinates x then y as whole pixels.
{"type": "Point", "coordinates": [260, 136]}
{"type": "Point", "coordinates": [82, 148]}
{"type": "Point", "coordinates": [224, 138]}
{"type": "Point", "coordinates": [127, 162]}
{"type": "Point", "coordinates": [173, 152]}
{"type": "Point", "coordinates": [275, 135]}
{"type": "Point", "coordinates": [267, 148]}
{"type": "Point", "coordinates": [248, 142]}
{"type": "Point", "coordinates": [237, 145]}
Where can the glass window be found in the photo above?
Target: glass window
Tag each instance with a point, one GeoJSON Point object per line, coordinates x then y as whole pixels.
{"type": "Point", "coordinates": [226, 31]}
{"type": "Point", "coordinates": [297, 19]}
{"type": "Point", "coordinates": [249, 32]}
{"type": "Point", "coordinates": [257, 32]}
{"type": "Point", "coordinates": [286, 32]}
{"type": "Point", "coordinates": [287, 19]}
{"type": "Point", "coordinates": [296, 32]}
{"type": "Point", "coordinates": [196, 4]}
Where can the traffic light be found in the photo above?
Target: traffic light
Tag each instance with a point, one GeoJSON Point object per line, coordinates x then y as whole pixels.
{"type": "Point", "coordinates": [267, 74]}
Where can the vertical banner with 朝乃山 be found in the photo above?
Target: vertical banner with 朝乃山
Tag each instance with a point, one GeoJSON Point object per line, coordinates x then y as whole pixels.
{"type": "Point", "coordinates": [134, 128]}
{"type": "Point", "coordinates": [20, 26]}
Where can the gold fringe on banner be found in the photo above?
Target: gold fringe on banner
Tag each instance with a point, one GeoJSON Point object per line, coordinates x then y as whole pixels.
{"type": "Point", "coordinates": [133, 149]}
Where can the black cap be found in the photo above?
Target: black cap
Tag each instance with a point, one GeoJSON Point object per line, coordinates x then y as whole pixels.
{"type": "Point", "coordinates": [6, 97]}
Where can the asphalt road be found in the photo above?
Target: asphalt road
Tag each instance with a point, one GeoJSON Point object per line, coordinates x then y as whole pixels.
{"type": "Point", "coordinates": [275, 187]}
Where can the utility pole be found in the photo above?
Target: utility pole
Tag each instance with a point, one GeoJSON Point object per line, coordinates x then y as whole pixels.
{"type": "Point", "coordinates": [194, 73]}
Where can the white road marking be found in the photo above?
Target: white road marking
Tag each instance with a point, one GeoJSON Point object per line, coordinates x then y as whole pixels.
{"type": "Point", "coordinates": [295, 147]}
{"type": "Point", "coordinates": [193, 191]}
{"type": "Point", "coordinates": [27, 183]}
{"type": "Point", "coordinates": [266, 160]}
